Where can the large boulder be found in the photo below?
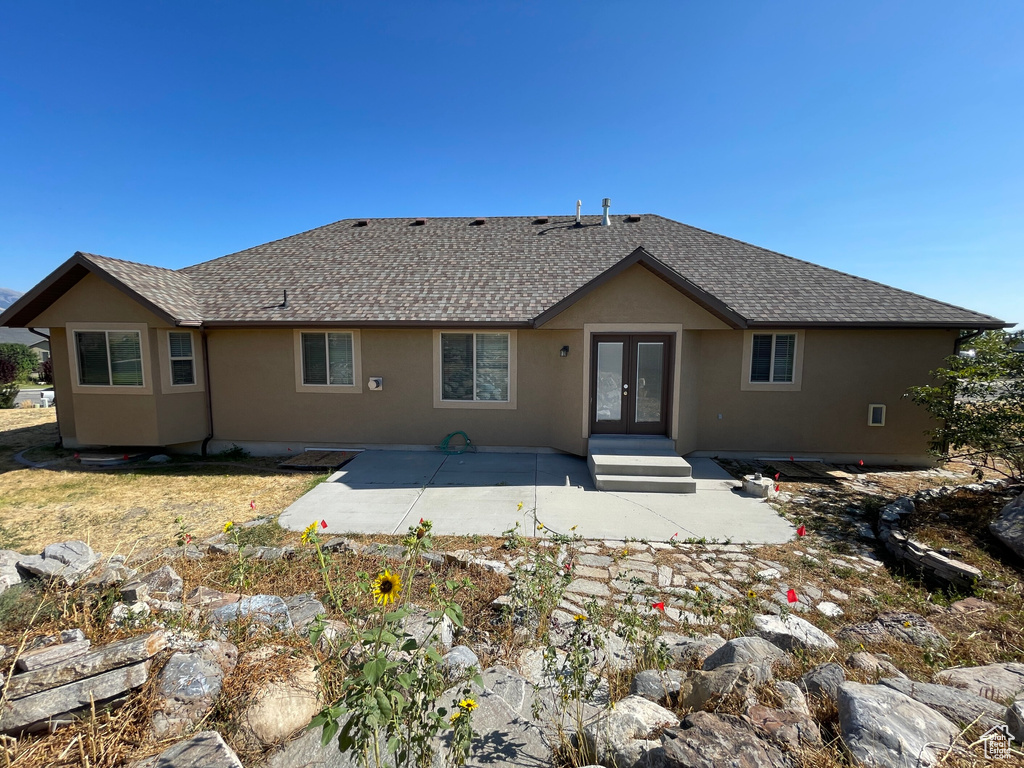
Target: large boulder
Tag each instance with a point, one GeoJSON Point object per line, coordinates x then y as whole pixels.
{"type": "Point", "coordinates": [303, 610]}
{"type": "Point", "coordinates": [701, 688]}
{"type": "Point", "coordinates": [999, 682]}
{"type": "Point", "coordinates": [1008, 527]}
{"type": "Point", "coordinates": [204, 750]}
{"type": "Point", "coordinates": [791, 633]}
{"type": "Point", "coordinates": [280, 707]}
{"type": "Point", "coordinates": [787, 728]}
{"type": "Point", "coordinates": [883, 727]}
{"type": "Point", "coordinates": [823, 681]}
{"type": "Point", "coordinates": [657, 685]}
{"type": "Point", "coordinates": [955, 704]}
{"type": "Point", "coordinates": [706, 740]}
{"type": "Point", "coordinates": [620, 736]}
{"type": "Point", "coordinates": [68, 560]}
{"type": "Point", "coordinates": [188, 685]}
{"type": "Point", "coordinates": [746, 650]}
{"type": "Point", "coordinates": [259, 609]}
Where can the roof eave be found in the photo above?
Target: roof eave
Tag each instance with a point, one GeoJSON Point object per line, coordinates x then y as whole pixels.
{"type": "Point", "coordinates": [882, 325]}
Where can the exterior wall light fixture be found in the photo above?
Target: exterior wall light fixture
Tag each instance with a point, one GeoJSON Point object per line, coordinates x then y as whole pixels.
{"type": "Point", "coordinates": [564, 351]}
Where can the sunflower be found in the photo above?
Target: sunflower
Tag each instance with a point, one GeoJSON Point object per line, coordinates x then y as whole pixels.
{"type": "Point", "coordinates": [386, 587]}
{"type": "Point", "coordinates": [307, 535]}
{"type": "Point", "coordinates": [468, 704]}
{"type": "Point", "coordinates": [579, 617]}
{"type": "Point", "coordinates": [455, 716]}
{"type": "Point", "coordinates": [228, 526]}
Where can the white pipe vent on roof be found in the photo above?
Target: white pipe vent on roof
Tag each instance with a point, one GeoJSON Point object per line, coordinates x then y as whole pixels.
{"type": "Point", "coordinates": [606, 204]}
{"type": "Point", "coordinates": [579, 204]}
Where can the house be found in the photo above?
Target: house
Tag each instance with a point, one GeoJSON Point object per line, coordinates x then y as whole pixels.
{"type": "Point", "coordinates": [526, 332]}
{"type": "Point", "coordinates": [34, 341]}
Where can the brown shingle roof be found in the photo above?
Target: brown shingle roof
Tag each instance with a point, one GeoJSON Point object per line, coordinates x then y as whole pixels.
{"type": "Point", "coordinates": [170, 290]}
{"type": "Point", "coordinates": [511, 270]}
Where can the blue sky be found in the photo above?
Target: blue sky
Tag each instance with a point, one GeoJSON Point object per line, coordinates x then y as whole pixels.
{"type": "Point", "coordinates": [878, 138]}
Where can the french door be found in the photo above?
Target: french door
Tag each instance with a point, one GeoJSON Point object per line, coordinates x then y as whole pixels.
{"type": "Point", "coordinates": [630, 383]}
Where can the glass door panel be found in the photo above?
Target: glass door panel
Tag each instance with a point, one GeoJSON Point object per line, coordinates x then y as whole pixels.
{"type": "Point", "coordinates": [650, 359]}
{"type": "Point", "coordinates": [609, 381]}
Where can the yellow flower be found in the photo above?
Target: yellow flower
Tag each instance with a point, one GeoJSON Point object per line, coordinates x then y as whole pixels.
{"type": "Point", "coordinates": [228, 526]}
{"type": "Point", "coordinates": [455, 716]}
{"type": "Point", "coordinates": [696, 588]}
{"type": "Point", "coordinates": [519, 506]}
{"type": "Point", "coordinates": [468, 704]}
{"type": "Point", "coordinates": [540, 525]}
{"type": "Point", "coordinates": [307, 534]}
{"type": "Point", "coordinates": [751, 594]}
{"type": "Point", "coordinates": [906, 623]}
{"type": "Point", "coordinates": [573, 528]}
{"type": "Point", "coordinates": [579, 617]}
{"type": "Point", "coordinates": [625, 552]}
{"type": "Point", "coordinates": [386, 587]}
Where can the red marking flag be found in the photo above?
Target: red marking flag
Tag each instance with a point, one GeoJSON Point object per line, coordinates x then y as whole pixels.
{"type": "Point", "coordinates": [791, 595]}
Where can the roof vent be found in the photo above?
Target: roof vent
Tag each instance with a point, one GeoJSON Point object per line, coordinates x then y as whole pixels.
{"type": "Point", "coordinates": [633, 217]}
{"type": "Point", "coordinates": [606, 204]}
{"type": "Point", "coordinates": [541, 220]}
{"type": "Point", "coordinates": [361, 223]}
{"type": "Point", "coordinates": [418, 222]}
{"type": "Point", "coordinates": [478, 222]}
{"type": "Point", "coordinates": [579, 220]}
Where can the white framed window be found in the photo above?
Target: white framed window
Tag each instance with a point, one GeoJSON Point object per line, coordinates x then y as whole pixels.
{"type": "Point", "coordinates": [109, 358]}
{"type": "Point", "coordinates": [876, 415]}
{"type": "Point", "coordinates": [181, 354]}
{"type": "Point", "coordinates": [475, 369]}
{"type": "Point", "coordinates": [772, 360]}
{"type": "Point", "coordinates": [327, 361]}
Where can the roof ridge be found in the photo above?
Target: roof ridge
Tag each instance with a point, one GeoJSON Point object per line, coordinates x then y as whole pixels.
{"type": "Point", "coordinates": [91, 256]}
{"type": "Point", "coordinates": [867, 280]}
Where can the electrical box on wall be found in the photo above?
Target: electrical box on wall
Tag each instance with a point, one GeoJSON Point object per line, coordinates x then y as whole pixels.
{"type": "Point", "coordinates": [375, 383]}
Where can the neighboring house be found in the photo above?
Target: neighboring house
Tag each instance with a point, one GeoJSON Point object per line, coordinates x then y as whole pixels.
{"type": "Point", "coordinates": [35, 342]}
{"type": "Point", "coordinates": [521, 331]}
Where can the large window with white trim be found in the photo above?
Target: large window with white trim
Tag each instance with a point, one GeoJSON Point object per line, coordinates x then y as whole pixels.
{"type": "Point", "coordinates": [328, 359]}
{"type": "Point", "coordinates": [772, 358]}
{"type": "Point", "coordinates": [109, 358]}
{"type": "Point", "coordinates": [475, 367]}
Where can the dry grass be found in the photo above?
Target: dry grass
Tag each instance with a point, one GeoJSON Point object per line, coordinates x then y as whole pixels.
{"type": "Point", "coordinates": [119, 509]}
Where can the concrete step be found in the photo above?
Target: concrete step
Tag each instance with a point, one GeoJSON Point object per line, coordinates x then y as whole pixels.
{"type": "Point", "coordinates": [645, 484]}
{"type": "Point", "coordinates": [619, 444]}
{"type": "Point", "coordinates": [670, 465]}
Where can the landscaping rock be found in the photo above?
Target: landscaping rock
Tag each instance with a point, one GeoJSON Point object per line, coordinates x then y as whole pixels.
{"type": "Point", "coordinates": [1014, 718]}
{"type": "Point", "coordinates": [829, 609]}
{"type": "Point", "coordinates": [791, 633]}
{"type": "Point", "coordinates": [657, 685]}
{"type": "Point", "coordinates": [746, 650]}
{"type": "Point", "coordinates": [902, 626]}
{"type": "Point", "coordinates": [1008, 527]}
{"type": "Point", "coordinates": [204, 750]}
{"type": "Point", "coordinates": [188, 686]}
{"type": "Point", "coordinates": [883, 727]}
{"type": "Point", "coordinates": [50, 654]}
{"type": "Point", "coordinates": [786, 728]}
{"type": "Point", "coordinates": [701, 688]}
{"type": "Point", "coordinates": [957, 705]}
{"type": "Point", "coordinates": [619, 737]}
{"type": "Point", "coordinates": [9, 575]}
{"type": "Point", "coordinates": [460, 661]}
{"type": "Point", "coordinates": [111, 574]}
{"type": "Point", "coordinates": [281, 707]}
{"type": "Point", "coordinates": [705, 740]}
{"type": "Point", "coordinates": [133, 615]}
{"type": "Point", "coordinates": [823, 681]}
{"type": "Point", "coordinates": [793, 698]}
{"type": "Point", "coordinates": [261, 609]}
{"type": "Point", "coordinates": [162, 584]}
{"type": "Point", "coordinates": [868, 662]}
{"type": "Point", "coordinates": [421, 627]}
{"type": "Point", "coordinates": [303, 610]}
{"type": "Point", "coordinates": [68, 560]}
{"type": "Point", "coordinates": [687, 649]}
{"type": "Point", "coordinates": [998, 682]}
{"type": "Point", "coordinates": [307, 752]}
{"type": "Point", "coordinates": [210, 599]}
{"type": "Point", "coordinates": [58, 705]}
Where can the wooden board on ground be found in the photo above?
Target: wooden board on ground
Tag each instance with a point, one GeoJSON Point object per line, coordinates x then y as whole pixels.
{"type": "Point", "coordinates": [800, 470]}
{"type": "Point", "coordinates": [319, 459]}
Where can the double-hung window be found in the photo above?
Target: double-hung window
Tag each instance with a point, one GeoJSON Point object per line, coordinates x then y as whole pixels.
{"type": "Point", "coordinates": [328, 359]}
{"type": "Point", "coordinates": [475, 367]}
{"type": "Point", "coordinates": [772, 358]}
{"type": "Point", "coordinates": [182, 357]}
{"type": "Point", "coordinates": [109, 358]}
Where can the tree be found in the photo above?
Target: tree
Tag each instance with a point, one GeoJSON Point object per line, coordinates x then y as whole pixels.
{"type": "Point", "coordinates": [22, 356]}
{"type": "Point", "coordinates": [979, 402]}
{"type": "Point", "coordinates": [9, 372]}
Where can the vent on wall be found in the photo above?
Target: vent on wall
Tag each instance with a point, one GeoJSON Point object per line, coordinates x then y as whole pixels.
{"type": "Point", "coordinates": [876, 415]}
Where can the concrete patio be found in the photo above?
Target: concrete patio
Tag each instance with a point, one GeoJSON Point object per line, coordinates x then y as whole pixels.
{"type": "Point", "coordinates": [480, 493]}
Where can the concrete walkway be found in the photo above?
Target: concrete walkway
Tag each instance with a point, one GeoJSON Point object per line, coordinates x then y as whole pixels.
{"type": "Point", "coordinates": [479, 493]}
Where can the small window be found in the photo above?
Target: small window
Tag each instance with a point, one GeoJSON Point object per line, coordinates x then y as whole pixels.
{"type": "Point", "coordinates": [772, 358]}
{"type": "Point", "coordinates": [475, 367]}
{"type": "Point", "coordinates": [183, 363]}
{"type": "Point", "coordinates": [327, 359]}
{"type": "Point", "coordinates": [876, 415]}
{"type": "Point", "coordinates": [109, 358]}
